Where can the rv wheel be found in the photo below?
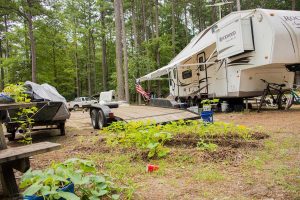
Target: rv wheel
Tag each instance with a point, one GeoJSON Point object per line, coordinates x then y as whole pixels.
{"type": "Point", "coordinates": [101, 119]}
{"type": "Point", "coordinates": [94, 119]}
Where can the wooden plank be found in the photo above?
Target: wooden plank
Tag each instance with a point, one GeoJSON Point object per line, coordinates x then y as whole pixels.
{"type": "Point", "coordinates": [157, 114]}
{"type": "Point", "coordinates": [16, 153]}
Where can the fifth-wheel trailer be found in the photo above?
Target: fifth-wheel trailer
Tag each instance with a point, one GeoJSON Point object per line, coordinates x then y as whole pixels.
{"type": "Point", "coordinates": [229, 58]}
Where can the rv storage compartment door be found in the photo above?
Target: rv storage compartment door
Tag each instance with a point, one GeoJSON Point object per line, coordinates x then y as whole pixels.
{"type": "Point", "coordinates": [234, 38]}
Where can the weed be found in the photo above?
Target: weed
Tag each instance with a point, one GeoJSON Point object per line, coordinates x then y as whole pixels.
{"type": "Point", "coordinates": [211, 147]}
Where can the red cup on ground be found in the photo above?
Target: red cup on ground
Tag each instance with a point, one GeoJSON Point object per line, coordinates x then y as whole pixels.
{"type": "Point", "coordinates": [151, 168]}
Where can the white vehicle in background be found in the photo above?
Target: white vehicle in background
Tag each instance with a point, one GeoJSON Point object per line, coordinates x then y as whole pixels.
{"type": "Point", "coordinates": [81, 102]}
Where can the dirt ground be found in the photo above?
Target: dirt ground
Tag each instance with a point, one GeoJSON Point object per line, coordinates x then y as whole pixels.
{"type": "Point", "coordinates": [269, 171]}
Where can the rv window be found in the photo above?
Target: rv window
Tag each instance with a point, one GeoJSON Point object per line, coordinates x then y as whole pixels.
{"type": "Point", "coordinates": [201, 60]}
{"type": "Point", "coordinates": [187, 74]}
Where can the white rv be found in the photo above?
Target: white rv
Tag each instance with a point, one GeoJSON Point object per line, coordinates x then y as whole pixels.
{"type": "Point", "coordinates": [229, 59]}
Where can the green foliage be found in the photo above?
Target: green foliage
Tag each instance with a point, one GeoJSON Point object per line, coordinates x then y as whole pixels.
{"type": "Point", "coordinates": [16, 91]}
{"type": "Point", "coordinates": [152, 138]}
{"type": "Point", "coordinates": [145, 136]}
{"type": "Point", "coordinates": [209, 101]}
{"type": "Point", "coordinates": [82, 173]}
{"type": "Point", "coordinates": [203, 146]}
{"type": "Point", "coordinates": [24, 119]}
{"type": "Point", "coordinates": [69, 36]}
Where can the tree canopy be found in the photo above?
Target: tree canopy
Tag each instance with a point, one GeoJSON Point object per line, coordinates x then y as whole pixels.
{"type": "Point", "coordinates": [71, 44]}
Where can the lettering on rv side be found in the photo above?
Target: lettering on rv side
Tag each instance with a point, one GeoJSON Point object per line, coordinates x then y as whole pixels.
{"type": "Point", "coordinates": [227, 36]}
{"type": "Point", "coordinates": [295, 20]}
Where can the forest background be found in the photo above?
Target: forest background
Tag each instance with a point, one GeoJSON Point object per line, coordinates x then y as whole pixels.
{"type": "Point", "coordinates": [83, 47]}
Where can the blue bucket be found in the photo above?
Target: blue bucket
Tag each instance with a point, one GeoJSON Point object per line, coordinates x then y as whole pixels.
{"type": "Point", "coordinates": [67, 188]}
{"type": "Point", "coordinates": [207, 116]}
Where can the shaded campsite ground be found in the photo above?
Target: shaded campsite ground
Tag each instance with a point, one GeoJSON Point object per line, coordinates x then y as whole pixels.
{"type": "Point", "coordinates": [270, 169]}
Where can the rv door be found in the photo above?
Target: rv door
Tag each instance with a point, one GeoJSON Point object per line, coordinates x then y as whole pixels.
{"type": "Point", "coordinates": [202, 74]}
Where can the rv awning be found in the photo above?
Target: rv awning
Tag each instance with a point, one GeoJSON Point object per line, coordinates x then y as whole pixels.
{"type": "Point", "coordinates": [197, 44]}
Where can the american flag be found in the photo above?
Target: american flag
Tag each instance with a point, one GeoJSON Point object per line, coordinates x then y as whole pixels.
{"type": "Point", "coordinates": [140, 90]}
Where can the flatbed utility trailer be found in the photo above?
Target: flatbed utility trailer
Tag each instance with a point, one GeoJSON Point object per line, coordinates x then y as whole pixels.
{"type": "Point", "coordinates": [103, 115]}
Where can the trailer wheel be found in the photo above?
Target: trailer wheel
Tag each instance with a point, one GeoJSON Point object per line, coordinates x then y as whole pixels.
{"type": "Point", "coordinates": [75, 107]}
{"type": "Point", "coordinates": [12, 135]}
{"type": "Point", "coordinates": [94, 119]}
{"type": "Point", "coordinates": [62, 128]}
{"type": "Point", "coordinates": [101, 119]}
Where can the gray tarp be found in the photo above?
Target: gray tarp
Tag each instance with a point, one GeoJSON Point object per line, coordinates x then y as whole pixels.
{"type": "Point", "coordinates": [44, 91]}
{"type": "Point", "coordinates": [49, 93]}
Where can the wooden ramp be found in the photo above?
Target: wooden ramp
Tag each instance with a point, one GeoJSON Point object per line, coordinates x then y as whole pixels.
{"type": "Point", "coordinates": [145, 113]}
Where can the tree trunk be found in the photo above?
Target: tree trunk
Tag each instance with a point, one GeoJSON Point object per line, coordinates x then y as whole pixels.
{"type": "Point", "coordinates": [118, 27]}
{"type": "Point", "coordinates": [1, 71]}
{"type": "Point", "coordinates": [104, 60]}
{"type": "Point", "coordinates": [173, 28]}
{"type": "Point", "coordinates": [54, 64]}
{"type": "Point", "coordinates": [94, 88]}
{"type": "Point", "coordinates": [32, 42]}
{"type": "Point", "coordinates": [76, 61]}
{"type": "Point", "coordinates": [293, 4]}
{"type": "Point", "coordinates": [89, 52]}
{"type": "Point", "coordinates": [186, 26]}
{"type": "Point", "coordinates": [157, 48]}
{"type": "Point", "coordinates": [238, 5]}
{"type": "Point", "coordinates": [125, 54]}
{"type": "Point", "coordinates": [136, 43]}
{"type": "Point", "coordinates": [135, 34]}
{"type": "Point", "coordinates": [145, 37]}
{"type": "Point", "coordinates": [213, 12]}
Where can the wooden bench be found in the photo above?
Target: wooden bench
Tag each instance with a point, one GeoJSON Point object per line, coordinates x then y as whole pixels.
{"type": "Point", "coordinates": [17, 157]}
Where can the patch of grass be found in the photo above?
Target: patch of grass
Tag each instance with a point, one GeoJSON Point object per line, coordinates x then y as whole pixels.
{"type": "Point", "coordinates": [121, 167]}
{"type": "Point", "coordinates": [209, 174]}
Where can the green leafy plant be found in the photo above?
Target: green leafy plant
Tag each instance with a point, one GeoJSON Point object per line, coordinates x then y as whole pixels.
{"type": "Point", "coordinates": [24, 119]}
{"type": "Point", "coordinates": [150, 137]}
{"type": "Point", "coordinates": [24, 116]}
{"type": "Point", "coordinates": [203, 146]}
{"type": "Point", "coordinates": [209, 101]}
{"type": "Point", "coordinates": [145, 136]}
{"type": "Point", "coordinates": [82, 173]}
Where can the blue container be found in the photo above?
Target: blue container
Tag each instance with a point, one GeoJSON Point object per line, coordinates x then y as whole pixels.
{"type": "Point", "coordinates": [67, 188]}
{"type": "Point", "coordinates": [207, 116]}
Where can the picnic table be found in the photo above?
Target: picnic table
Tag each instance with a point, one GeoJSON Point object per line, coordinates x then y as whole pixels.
{"type": "Point", "coordinates": [16, 157]}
